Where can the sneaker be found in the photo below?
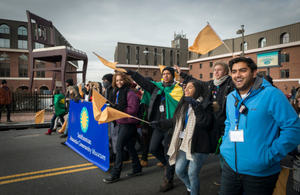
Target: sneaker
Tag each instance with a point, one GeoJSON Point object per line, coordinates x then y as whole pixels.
{"type": "Point", "coordinates": [217, 182]}
{"type": "Point", "coordinates": [134, 174]}
{"type": "Point", "coordinates": [8, 120]}
{"type": "Point", "coordinates": [144, 163]}
{"type": "Point", "coordinates": [63, 136]}
{"type": "Point", "coordinates": [166, 186]}
{"type": "Point", "coordinates": [111, 179]}
{"type": "Point", "coordinates": [160, 164]}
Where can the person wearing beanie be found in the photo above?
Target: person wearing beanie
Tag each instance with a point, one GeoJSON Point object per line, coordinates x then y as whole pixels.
{"type": "Point", "coordinates": [5, 99]}
{"type": "Point", "coordinates": [162, 99]}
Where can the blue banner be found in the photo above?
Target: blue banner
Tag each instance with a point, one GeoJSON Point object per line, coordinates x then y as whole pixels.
{"type": "Point", "coordinates": [86, 136]}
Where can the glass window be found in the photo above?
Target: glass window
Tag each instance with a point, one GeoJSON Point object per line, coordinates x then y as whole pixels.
{"type": "Point", "coordinates": [22, 31]}
{"type": "Point", "coordinates": [38, 45]}
{"type": "Point", "coordinates": [22, 44]}
{"type": "Point", "coordinates": [137, 55]}
{"type": "Point", "coordinates": [262, 42]}
{"type": "Point", "coordinates": [210, 53]}
{"type": "Point", "coordinates": [210, 64]}
{"type": "Point", "coordinates": [5, 43]}
{"type": "Point", "coordinates": [245, 46]}
{"type": "Point", "coordinates": [200, 65]}
{"type": "Point", "coordinates": [191, 67]}
{"type": "Point", "coordinates": [4, 65]}
{"type": "Point", "coordinates": [285, 38]}
{"type": "Point", "coordinates": [155, 56]}
{"type": "Point", "coordinates": [285, 73]}
{"type": "Point", "coordinates": [146, 57]}
{"type": "Point", "coordinates": [40, 64]}
{"type": "Point", "coordinates": [23, 66]}
{"type": "Point", "coordinates": [190, 55]}
{"type": "Point", "coordinates": [285, 57]}
{"type": "Point", "coordinates": [199, 55]}
{"type": "Point", "coordinates": [163, 56]}
{"type": "Point", "coordinates": [177, 58]}
{"type": "Point", "coordinates": [128, 54]}
{"type": "Point", "coordinates": [200, 76]}
{"type": "Point", "coordinates": [171, 57]}
{"type": "Point", "coordinates": [4, 29]}
{"type": "Point", "coordinates": [211, 75]}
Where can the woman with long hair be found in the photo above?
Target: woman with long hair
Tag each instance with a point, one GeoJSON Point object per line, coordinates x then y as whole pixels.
{"type": "Point", "coordinates": [128, 102]}
{"type": "Point", "coordinates": [189, 128]}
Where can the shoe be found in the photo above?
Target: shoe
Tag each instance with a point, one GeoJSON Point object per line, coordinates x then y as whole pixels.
{"type": "Point", "coordinates": [8, 120]}
{"type": "Point", "coordinates": [49, 132]}
{"type": "Point", "coordinates": [166, 186]}
{"type": "Point", "coordinates": [160, 164]}
{"type": "Point", "coordinates": [63, 143]}
{"type": "Point", "coordinates": [63, 136]}
{"type": "Point", "coordinates": [217, 182]}
{"type": "Point", "coordinates": [53, 130]}
{"type": "Point", "coordinates": [111, 179]}
{"type": "Point", "coordinates": [144, 163]}
{"type": "Point", "coordinates": [134, 174]}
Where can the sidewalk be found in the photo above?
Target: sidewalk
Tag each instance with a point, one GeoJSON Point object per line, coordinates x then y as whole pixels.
{"type": "Point", "coordinates": [23, 121]}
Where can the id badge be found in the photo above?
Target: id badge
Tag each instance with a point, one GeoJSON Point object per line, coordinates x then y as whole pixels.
{"type": "Point", "coordinates": [236, 136]}
{"type": "Point", "coordinates": [161, 108]}
{"type": "Point", "coordinates": [181, 134]}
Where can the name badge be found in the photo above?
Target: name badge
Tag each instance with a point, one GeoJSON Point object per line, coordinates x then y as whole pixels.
{"type": "Point", "coordinates": [161, 108]}
{"type": "Point", "coordinates": [181, 134]}
{"type": "Point", "coordinates": [236, 136]}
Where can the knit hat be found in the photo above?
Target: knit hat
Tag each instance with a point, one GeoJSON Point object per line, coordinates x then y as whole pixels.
{"type": "Point", "coordinates": [70, 81]}
{"type": "Point", "coordinates": [108, 77]}
{"type": "Point", "coordinates": [3, 81]}
{"type": "Point", "coordinates": [171, 70]}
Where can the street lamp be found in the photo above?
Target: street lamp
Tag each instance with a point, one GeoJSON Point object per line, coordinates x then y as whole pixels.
{"type": "Point", "coordinates": [145, 52]}
{"type": "Point", "coordinates": [241, 31]}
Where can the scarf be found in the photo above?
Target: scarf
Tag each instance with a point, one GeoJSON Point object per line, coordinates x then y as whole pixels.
{"type": "Point", "coordinates": [173, 94]}
{"type": "Point", "coordinates": [187, 139]}
{"type": "Point", "coordinates": [220, 81]}
{"type": "Point", "coordinates": [121, 100]}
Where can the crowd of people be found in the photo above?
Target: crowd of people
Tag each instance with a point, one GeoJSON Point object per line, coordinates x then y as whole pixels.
{"type": "Point", "coordinates": [242, 118]}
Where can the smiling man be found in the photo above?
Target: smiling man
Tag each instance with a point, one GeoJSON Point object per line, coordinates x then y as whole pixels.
{"type": "Point", "coordinates": [261, 128]}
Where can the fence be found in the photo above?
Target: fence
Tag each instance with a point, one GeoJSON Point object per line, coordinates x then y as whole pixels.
{"type": "Point", "coordinates": [23, 102]}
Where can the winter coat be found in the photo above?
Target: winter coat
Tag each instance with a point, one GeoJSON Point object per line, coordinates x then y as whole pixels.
{"type": "Point", "coordinates": [5, 95]}
{"type": "Point", "coordinates": [73, 96]}
{"type": "Point", "coordinates": [271, 130]}
{"type": "Point", "coordinates": [131, 108]}
{"type": "Point", "coordinates": [201, 138]}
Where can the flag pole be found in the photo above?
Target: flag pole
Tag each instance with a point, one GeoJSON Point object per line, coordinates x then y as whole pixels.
{"type": "Point", "coordinates": [228, 49]}
{"type": "Point", "coordinates": [140, 120]}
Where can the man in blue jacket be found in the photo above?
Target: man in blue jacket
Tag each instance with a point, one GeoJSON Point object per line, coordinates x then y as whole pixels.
{"type": "Point", "coordinates": [261, 128]}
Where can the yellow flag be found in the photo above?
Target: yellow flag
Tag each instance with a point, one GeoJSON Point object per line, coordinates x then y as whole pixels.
{"type": "Point", "coordinates": [280, 188]}
{"type": "Point", "coordinates": [39, 117]}
{"type": "Point", "coordinates": [80, 91]}
{"type": "Point", "coordinates": [161, 67]}
{"type": "Point", "coordinates": [206, 41]}
{"type": "Point", "coordinates": [110, 64]}
{"type": "Point", "coordinates": [98, 102]}
{"type": "Point", "coordinates": [63, 128]}
{"type": "Point", "coordinates": [109, 114]}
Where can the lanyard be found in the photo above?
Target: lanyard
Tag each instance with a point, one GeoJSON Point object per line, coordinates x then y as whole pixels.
{"type": "Point", "coordinates": [237, 112]}
{"type": "Point", "coordinates": [118, 97]}
{"type": "Point", "coordinates": [162, 98]}
{"type": "Point", "coordinates": [186, 118]}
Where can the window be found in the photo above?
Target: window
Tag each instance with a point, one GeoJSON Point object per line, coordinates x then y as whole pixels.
{"type": "Point", "coordinates": [285, 38]}
{"type": "Point", "coordinates": [178, 57]}
{"type": "Point", "coordinates": [4, 32]}
{"type": "Point", "coordinates": [200, 65]}
{"type": "Point", "coordinates": [22, 44]}
{"type": "Point", "coordinates": [154, 73]}
{"type": "Point", "coordinates": [164, 57]}
{"type": "Point", "coordinates": [22, 31]}
{"type": "Point", "coordinates": [210, 64]}
{"type": "Point", "coordinates": [38, 45]}
{"type": "Point", "coordinates": [200, 76]}
{"type": "Point", "coordinates": [4, 65]}
{"type": "Point", "coordinates": [263, 73]}
{"type": "Point", "coordinates": [285, 57]}
{"type": "Point", "coordinates": [262, 42]}
{"type": "Point", "coordinates": [199, 55]}
{"type": "Point", "coordinates": [155, 56]}
{"type": "Point", "coordinates": [40, 64]}
{"type": "Point", "coordinates": [245, 46]}
{"type": "Point", "coordinates": [4, 29]}
{"type": "Point", "coordinates": [211, 75]}
{"type": "Point", "coordinates": [191, 67]}
{"type": "Point", "coordinates": [23, 66]}
{"type": "Point", "coordinates": [5, 43]}
{"type": "Point", "coordinates": [128, 54]}
{"type": "Point", "coordinates": [146, 57]}
{"type": "Point", "coordinates": [285, 73]}
{"type": "Point", "coordinates": [190, 55]}
{"type": "Point", "coordinates": [137, 55]}
{"type": "Point", "coordinates": [210, 53]}
{"type": "Point", "coordinates": [171, 57]}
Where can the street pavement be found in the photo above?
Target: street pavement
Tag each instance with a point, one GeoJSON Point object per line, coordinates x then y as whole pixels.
{"type": "Point", "coordinates": [33, 163]}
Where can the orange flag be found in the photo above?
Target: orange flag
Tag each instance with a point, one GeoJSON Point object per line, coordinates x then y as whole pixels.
{"type": "Point", "coordinates": [283, 177]}
{"type": "Point", "coordinates": [109, 114]}
{"type": "Point", "coordinates": [98, 102]}
{"type": "Point", "coordinates": [39, 117]}
{"type": "Point", "coordinates": [80, 91]}
{"type": "Point", "coordinates": [110, 64]}
{"type": "Point", "coordinates": [206, 41]}
{"type": "Point", "coordinates": [161, 67]}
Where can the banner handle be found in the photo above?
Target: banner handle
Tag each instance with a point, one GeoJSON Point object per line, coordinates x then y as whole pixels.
{"type": "Point", "coordinates": [228, 49]}
{"type": "Point", "coordinates": [141, 120]}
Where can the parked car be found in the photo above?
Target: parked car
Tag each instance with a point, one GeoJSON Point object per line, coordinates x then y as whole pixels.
{"type": "Point", "coordinates": [289, 97]}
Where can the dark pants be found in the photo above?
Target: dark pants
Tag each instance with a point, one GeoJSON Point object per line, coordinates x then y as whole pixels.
{"type": "Point", "coordinates": [8, 106]}
{"type": "Point", "coordinates": [231, 183]}
{"type": "Point", "coordinates": [125, 138]}
{"type": "Point", "coordinates": [157, 137]}
{"type": "Point", "coordinates": [61, 117]}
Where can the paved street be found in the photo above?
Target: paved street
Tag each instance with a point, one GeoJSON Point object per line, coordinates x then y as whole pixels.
{"type": "Point", "coordinates": [33, 163]}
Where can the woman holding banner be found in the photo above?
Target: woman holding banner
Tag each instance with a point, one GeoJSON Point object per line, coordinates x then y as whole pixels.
{"type": "Point", "coordinates": [127, 102]}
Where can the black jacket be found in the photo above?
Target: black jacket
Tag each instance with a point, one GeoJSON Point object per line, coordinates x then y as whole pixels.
{"type": "Point", "coordinates": [201, 138]}
{"type": "Point", "coordinates": [110, 94]}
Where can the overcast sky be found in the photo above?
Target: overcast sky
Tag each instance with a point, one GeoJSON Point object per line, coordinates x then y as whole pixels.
{"type": "Point", "coordinates": [97, 25]}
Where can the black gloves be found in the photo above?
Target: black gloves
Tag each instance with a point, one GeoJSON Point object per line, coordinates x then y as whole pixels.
{"type": "Point", "coordinates": [153, 124]}
{"type": "Point", "coordinates": [129, 72]}
{"type": "Point", "coordinates": [191, 101]}
{"type": "Point", "coordinates": [76, 100]}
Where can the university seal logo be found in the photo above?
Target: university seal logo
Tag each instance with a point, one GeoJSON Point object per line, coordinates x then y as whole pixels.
{"type": "Point", "coordinates": [84, 119]}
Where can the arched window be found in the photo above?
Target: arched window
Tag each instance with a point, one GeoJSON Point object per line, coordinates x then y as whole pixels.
{"type": "Point", "coordinates": [40, 64]}
{"type": "Point", "coordinates": [163, 56]}
{"type": "Point", "coordinates": [128, 54]}
{"type": "Point", "coordinates": [284, 38]}
{"type": "Point", "coordinates": [155, 56]}
{"type": "Point", "coordinates": [171, 57]}
{"type": "Point", "coordinates": [4, 65]}
{"type": "Point", "coordinates": [262, 42]}
{"type": "Point", "coordinates": [22, 38]}
{"type": "Point", "coordinates": [178, 58]}
{"type": "Point", "coordinates": [23, 66]}
{"type": "Point", "coordinates": [4, 40]}
{"type": "Point", "coordinates": [137, 55]}
{"type": "Point", "coordinates": [209, 53]}
{"type": "Point", "coordinates": [146, 56]}
{"type": "Point", "coordinates": [245, 46]}
{"type": "Point", "coordinates": [190, 55]}
{"type": "Point", "coordinates": [199, 55]}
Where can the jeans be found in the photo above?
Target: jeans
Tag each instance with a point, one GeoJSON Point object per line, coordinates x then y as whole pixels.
{"type": "Point", "coordinates": [157, 137]}
{"type": "Point", "coordinates": [8, 107]}
{"type": "Point", "coordinates": [53, 120]}
{"type": "Point", "coordinates": [126, 133]}
{"type": "Point", "coordinates": [222, 160]}
{"type": "Point", "coordinates": [67, 126]}
{"type": "Point", "coordinates": [231, 183]}
{"type": "Point", "coordinates": [191, 177]}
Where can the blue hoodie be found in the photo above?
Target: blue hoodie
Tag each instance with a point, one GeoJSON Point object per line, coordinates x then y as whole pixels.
{"type": "Point", "coordinates": [271, 130]}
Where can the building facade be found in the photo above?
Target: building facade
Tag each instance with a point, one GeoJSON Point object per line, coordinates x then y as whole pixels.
{"type": "Point", "coordinates": [14, 63]}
